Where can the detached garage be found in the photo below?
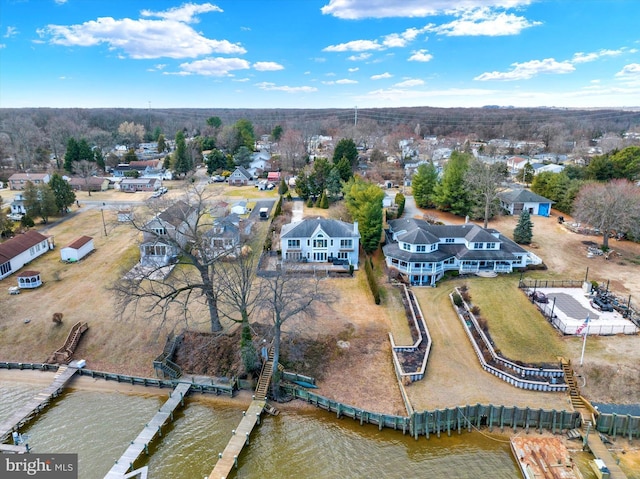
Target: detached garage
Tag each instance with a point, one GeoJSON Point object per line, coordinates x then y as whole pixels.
{"type": "Point", "coordinates": [78, 249]}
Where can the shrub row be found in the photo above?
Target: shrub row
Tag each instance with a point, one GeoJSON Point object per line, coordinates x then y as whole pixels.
{"type": "Point", "coordinates": [371, 279]}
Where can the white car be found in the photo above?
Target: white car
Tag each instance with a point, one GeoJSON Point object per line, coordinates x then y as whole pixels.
{"type": "Point", "coordinates": [15, 216]}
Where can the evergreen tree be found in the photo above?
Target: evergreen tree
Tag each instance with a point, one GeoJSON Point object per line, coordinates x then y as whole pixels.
{"type": "Point", "coordinates": [63, 193]}
{"type": "Point", "coordinates": [181, 161]}
{"type": "Point", "coordinates": [39, 201]}
{"type": "Point", "coordinates": [277, 132]}
{"type": "Point", "coordinates": [162, 143]}
{"type": "Point", "coordinates": [72, 154]}
{"type": "Point", "coordinates": [451, 194]}
{"type": "Point", "coordinates": [364, 204]}
{"type": "Point", "coordinates": [323, 202]}
{"type": "Point", "coordinates": [282, 187]}
{"type": "Point", "coordinates": [99, 158]}
{"type": "Point", "coordinates": [334, 184]}
{"type": "Point", "coordinates": [400, 201]}
{"type": "Point", "coordinates": [524, 229]}
{"type": "Point", "coordinates": [423, 185]}
{"type": "Point", "coordinates": [346, 148]}
{"type": "Point", "coordinates": [344, 168]}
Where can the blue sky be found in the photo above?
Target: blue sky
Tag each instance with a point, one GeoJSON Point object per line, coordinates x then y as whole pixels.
{"type": "Point", "coordinates": [319, 53]}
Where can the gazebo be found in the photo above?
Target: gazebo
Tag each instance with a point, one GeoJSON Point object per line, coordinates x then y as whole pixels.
{"type": "Point", "coordinates": [29, 280]}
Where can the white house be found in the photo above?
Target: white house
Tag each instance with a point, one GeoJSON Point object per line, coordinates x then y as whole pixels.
{"type": "Point", "coordinates": [20, 250]}
{"type": "Point", "coordinates": [320, 240]}
{"type": "Point", "coordinates": [224, 237]}
{"type": "Point", "coordinates": [240, 177]}
{"type": "Point", "coordinates": [18, 181]}
{"type": "Point", "coordinates": [517, 200]}
{"type": "Point", "coordinates": [17, 205]}
{"type": "Point", "coordinates": [424, 252]}
{"type": "Point", "coordinates": [78, 249]}
{"type": "Point", "coordinates": [166, 234]}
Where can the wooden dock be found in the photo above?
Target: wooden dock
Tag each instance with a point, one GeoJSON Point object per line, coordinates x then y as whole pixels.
{"type": "Point", "coordinates": [543, 458]}
{"type": "Point", "coordinates": [40, 401]}
{"type": "Point", "coordinates": [238, 440]}
{"type": "Point", "coordinates": [600, 451]}
{"type": "Point", "coordinates": [151, 429]}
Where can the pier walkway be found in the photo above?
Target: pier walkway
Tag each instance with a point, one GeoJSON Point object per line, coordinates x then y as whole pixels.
{"type": "Point", "coordinates": [33, 406]}
{"type": "Point", "coordinates": [240, 436]}
{"type": "Point", "coordinates": [151, 429]}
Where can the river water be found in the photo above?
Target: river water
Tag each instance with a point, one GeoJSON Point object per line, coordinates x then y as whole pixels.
{"type": "Point", "coordinates": [99, 425]}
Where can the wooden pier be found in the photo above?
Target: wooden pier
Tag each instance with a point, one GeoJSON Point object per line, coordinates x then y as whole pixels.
{"type": "Point", "coordinates": [33, 406]}
{"type": "Point", "coordinates": [228, 459]}
{"type": "Point", "coordinates": [151, 429]}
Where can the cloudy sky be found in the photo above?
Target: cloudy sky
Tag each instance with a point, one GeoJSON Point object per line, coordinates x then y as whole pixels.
{"type": "Point", "coordinates": [319, 53]}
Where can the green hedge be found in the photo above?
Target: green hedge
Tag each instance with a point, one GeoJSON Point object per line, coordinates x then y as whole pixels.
{"type": "Point", "coordinates": [371, 279]}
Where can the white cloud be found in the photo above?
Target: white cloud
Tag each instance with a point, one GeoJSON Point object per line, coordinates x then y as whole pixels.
{"type": "Point", "coordinates": [484, 22]}
{"type": "Point", "coordinates": [287, 89]}
{"type": "Point", "coordinates": [421, 56]}
{"type": "Point", "coordinates": [360, 57]}
{"type": "Point", "coordinates": [60, 2]}
{"type": "Point", "coordinates": [11, 32]}
{"type": "Point", "coordinates": [409, 83]}
{"type": "Point", "coordinates": [143, 38]}
{"type": "Point", "coordinates": [3, 45]}
{"type": "Point", "coordinates": [357, 9]}
{"type": "Point", "coordinates": [185, 13]}
{"type": "Point", "coordinates": [394, 40]}
{"type": "Point", "coordinates": [343, 81]}
{"type": "Point", "coordinates": [353, 70]}
{"type": "Point", "coordinates": [633, 69]}
{"type": "Point", "coordinates": [354, 46]}
{"type": "Point", "coordinates": [381, 76]}
{"type": "Point", "coordinates": [240, 80]}
{"type": "Point", "coordinates": [157, 67]}
{"type": "Point", "coordinates": [267, 66]}
{"type": "Point", "coordinates": [218, 67]}
{"type": "Point", "coordinates": [527, 70]}
{"type": "Point", "coordinates": [581, 57]}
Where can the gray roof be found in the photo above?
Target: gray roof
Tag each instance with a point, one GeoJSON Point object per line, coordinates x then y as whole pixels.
{"type": "Point", "coordinates": [418, 236]}
{"type": "Point", "coordinates": [306, 228]}
{"type": "Point", "coordinates": [177, 213]}
{"type": "Point", "coordinates": [522, 196]}
{"type": "Point", "coordinates": [244, 172]}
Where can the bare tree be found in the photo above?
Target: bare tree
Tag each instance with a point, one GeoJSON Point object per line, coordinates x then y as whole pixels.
{"type": "Point", "coordinates": [610, 207]}
{"type": "Point", "coordinates": [288, 294]}
{"type": "Point", "coordinates": [485, 182]}
{"type": "Point", "coordinates": [131, 133]}
{"type": "Point", "coordinates": [84, 169]}
{"type": "Point", "coordinates": [174, 235]}
{"type": "Point", "coordinates": [292, 151]}
{"type": "Point", "coordinates": [240, 293]}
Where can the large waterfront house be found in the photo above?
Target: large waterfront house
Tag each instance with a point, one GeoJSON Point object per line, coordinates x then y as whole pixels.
{"type": "Point", "coordinates": [320, 240]}
{"type": "Point", "coordinates": [166, 234]}
{"type": "Point", "coordinates": [423, 252]}
{"type": "Point", "coordinates": [20, 250]}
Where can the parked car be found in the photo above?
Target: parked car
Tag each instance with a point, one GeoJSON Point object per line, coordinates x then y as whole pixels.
{"type": "Point", "coordinates": [216, 179]}
{"type": "Point", "coordinates": [601, 304]}
{"type": "Point", "coordinates": [539, 297]}
{"type": "Point", "coordinates": [14, 216]}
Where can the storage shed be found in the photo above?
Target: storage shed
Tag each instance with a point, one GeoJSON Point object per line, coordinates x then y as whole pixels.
{"type": "Point", "coordinates": [78, 249]}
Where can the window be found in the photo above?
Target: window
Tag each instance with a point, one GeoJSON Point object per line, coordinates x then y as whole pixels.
{"type": "Point", "coordinates": [417, 265]}
{"type": "Point", "coordinates": [491, 246]}
{"type": "Point", "coordinates": [5, 268]}
{"type": "Point", "coordinates": [343, 255]}
{"type": "Point", "coordinates": [421, 248]}
{"type": "Point", "coordinates": [319, 243]}
{"type": "Point", "coordinates": [449, 240]}
{"type": "Point", "coordinates": [293, 243]}
{"type": "Point", "coordinates": [405, 246]}
{"type": "Point", "coordinates": [155, 250]}
{"type": "Point", "coordinates": [434, 247]}
{"type": "Point", "coordinates": [478, 245]}
{"type": "Point", "coordinates": [346, 243]}
{"type": "Point", "coordinates": [160, 231]}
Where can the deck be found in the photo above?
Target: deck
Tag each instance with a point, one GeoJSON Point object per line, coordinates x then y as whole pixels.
{"type": "Point", "coordinates": [33, 406]}
{"type": "Point", "coordinates": [238, 440]}
{"type": "Point", "coordinates": [151, 429]}
{"type": "Point", "coordinates": [600, 451]}
{"type": "Point", "coordinates": [544, 458]}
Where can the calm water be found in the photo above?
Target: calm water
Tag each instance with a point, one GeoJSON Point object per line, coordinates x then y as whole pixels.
{"type": "Point", "coordinates": [311, 444]}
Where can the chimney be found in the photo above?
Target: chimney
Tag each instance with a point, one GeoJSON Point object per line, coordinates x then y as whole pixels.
{"type": "Point", "coordinates": [355, 227]}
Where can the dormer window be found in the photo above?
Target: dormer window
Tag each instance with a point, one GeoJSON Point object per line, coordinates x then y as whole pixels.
{"type": "Point", "coordinates": [421, 248]}
{"type": "Point", "coordinates": [478, 245]}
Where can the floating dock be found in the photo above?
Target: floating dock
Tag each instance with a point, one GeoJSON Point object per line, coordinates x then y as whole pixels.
{"type": "Point", "coordinates": [33, 406]}
{"type": "Point", "coordinates": [151, 429]}
{"type": "Point", "coordinates": [544, 458]}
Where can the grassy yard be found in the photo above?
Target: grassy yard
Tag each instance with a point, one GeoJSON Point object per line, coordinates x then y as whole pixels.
{"type": "Point", "coordinates": [515, 325]}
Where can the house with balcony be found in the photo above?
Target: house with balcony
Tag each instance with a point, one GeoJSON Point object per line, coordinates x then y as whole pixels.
{"type": "Point", "coordinates": [320, 240]}
{"type": "Point", "coordinates": [423, 252]}
{"type": "Point", "coordinates": [166, 234]}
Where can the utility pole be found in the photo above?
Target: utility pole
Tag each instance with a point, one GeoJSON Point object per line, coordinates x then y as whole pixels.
{"type": "Point", "coordinates": [355, 119]}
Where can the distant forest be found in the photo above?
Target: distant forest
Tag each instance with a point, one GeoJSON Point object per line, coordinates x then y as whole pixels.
{"type": "Point", "coordinates": [26, 128]}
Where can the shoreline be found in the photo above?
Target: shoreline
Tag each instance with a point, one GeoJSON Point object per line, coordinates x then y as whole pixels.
{"type": "Point", "coordinates": [627, 451]}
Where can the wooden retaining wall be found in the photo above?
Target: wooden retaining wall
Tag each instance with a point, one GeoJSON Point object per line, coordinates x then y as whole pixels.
{"type": "Point", "coordinates": [623, 425]}
{"type": "Point", "coordinates": [512, 378]}
{"type": "Point", "coordinates": [123, 378]}
{"type": "Point", "coordinates": [426, 423]}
